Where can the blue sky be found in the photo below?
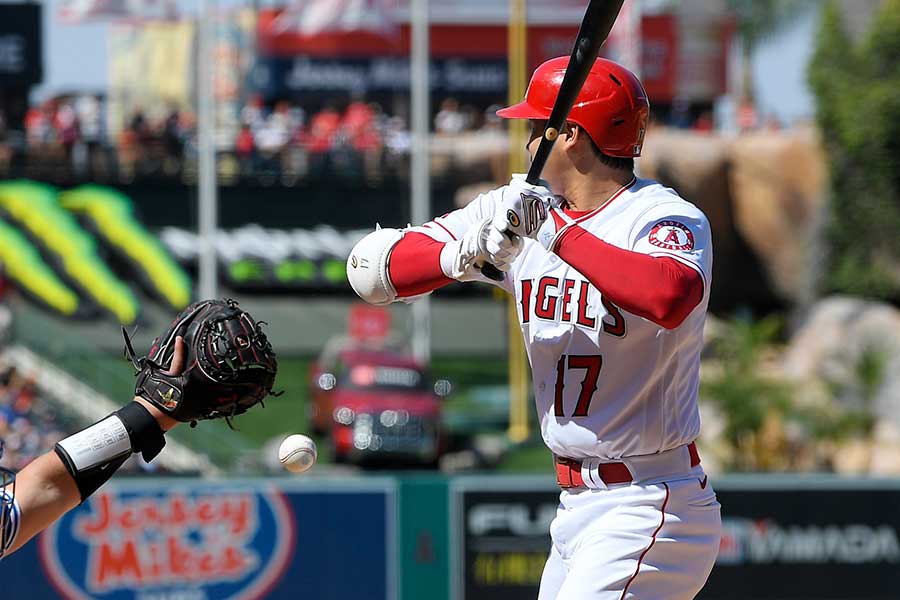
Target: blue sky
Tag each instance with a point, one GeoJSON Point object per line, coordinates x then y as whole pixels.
{"type": "Point", "coordinates": [75, 58]}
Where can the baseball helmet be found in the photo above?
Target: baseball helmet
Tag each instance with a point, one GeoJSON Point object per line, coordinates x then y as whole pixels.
{"type": "Point", "coordinates": [612, 105]}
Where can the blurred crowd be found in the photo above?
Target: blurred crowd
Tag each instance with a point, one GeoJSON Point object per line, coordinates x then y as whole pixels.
{"type": "Point", "coordinates": [67, 138]}
{"type": "Point", "coordinates": [28, 425]}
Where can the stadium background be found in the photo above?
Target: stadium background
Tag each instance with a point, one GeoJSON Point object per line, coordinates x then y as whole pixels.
{"type": "Point", "coordinates": [314, 139]}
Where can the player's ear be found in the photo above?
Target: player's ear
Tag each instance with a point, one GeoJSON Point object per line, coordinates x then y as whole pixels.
{"type": "Point", "coordinates": [570, 135]}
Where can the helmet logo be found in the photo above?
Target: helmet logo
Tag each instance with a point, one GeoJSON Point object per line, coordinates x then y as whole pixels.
{"type": "Point", "coordinates": [640, 141]}
{"type": "Point", "coordinates": [512, 217]}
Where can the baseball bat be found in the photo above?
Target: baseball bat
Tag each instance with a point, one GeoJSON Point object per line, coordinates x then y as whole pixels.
{"type": "Point", "coordinates": [595, 27]}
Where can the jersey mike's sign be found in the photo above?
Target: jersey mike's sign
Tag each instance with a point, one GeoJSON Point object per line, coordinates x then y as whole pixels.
{"type": "Point", "coordinates": [201, 542]}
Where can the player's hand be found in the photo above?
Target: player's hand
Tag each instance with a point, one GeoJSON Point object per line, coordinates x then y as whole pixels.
{"type": "Point", "coordinates": [501, 249]}
{"type": "Point", "coordinates": [177, 368]}
{"type": "Point", "coordinates": [462, 260]}
{"type": "Point", "coordinates": [523, 208]}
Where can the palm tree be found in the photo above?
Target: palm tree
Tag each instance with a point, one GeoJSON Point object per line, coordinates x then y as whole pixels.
{"type": "Point", "coordinates": [758, 19]}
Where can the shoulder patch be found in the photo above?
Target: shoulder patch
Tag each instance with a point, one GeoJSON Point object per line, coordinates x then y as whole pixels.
{"type": "Point", "coordinates": [672, 235]}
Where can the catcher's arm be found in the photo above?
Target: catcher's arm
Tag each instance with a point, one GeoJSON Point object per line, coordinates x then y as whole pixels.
{"type": "Point", "coordinates": [47, 487]}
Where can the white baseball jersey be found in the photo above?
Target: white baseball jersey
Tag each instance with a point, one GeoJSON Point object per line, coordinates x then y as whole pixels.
{"type": "Point", "coordinates": [607, 383]}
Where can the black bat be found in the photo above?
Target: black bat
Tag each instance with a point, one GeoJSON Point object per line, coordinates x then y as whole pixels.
{"type": "Point", "coordinates": [595, 27]}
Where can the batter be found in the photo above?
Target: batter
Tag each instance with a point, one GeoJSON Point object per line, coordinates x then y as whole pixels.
{"type": "Point", "coordinates": [611, 274]}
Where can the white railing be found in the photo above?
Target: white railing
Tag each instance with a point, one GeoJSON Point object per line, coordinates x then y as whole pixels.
{"type": "Point", "coordinates": [90, 405]}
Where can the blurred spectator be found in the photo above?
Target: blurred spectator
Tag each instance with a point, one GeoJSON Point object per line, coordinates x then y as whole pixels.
{"type": "Point", "coordinates": [28, 425]}
{"type": "Point", "coordinates": [89, 157]}
{"type": "Point", "coordinates": [172, 142]}
{"type": "Point", "coordinates": [253, 114]}
{"type": "Point", "coordinates": [272, 138]}
{"type": "Point", "coordinates": [704, 123]}
{"type": "Point", "coordinates": [449, 120]}
{"type": "Point", "coordinates": [6, 151]}
{"type": "Point", "coordinates": [320, 136]}
{"type": "Point", "coordinates": [747, 118]}
{"type": "Point", "coordinates": [245, 148]}
{"type": "Point", "coordinates": [38, 130]}
{"type": "Point", "coordinates": [680, 116]}
{"type": "Point", "coordinates": [66, 124]}
{"type": "Point", "coordinates": [66, 139]}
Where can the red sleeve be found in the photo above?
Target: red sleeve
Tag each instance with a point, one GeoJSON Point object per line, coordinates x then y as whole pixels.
{"type": "Point", "coordinates": [415, 265]}
{"type": "Point", "coordinates": [660, 289]}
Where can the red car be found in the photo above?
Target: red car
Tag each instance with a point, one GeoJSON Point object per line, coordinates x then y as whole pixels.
{"type": "Point", "coordinates": [377, 407]}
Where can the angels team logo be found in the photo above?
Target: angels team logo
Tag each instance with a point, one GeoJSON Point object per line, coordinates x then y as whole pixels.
{"type": "Point", "coordinates": [672, 235]}
{"type": "Point", "coordinates": [141, 542]}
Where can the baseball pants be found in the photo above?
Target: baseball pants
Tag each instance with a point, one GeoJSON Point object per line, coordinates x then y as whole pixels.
{"type": "Point", "coordinates": [650, 540]}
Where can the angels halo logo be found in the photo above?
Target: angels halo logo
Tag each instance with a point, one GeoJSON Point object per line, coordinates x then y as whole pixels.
{"type": "Point", "coordinates": [672, 235]}
{"type": "Point", "coordinates": [185, 541]}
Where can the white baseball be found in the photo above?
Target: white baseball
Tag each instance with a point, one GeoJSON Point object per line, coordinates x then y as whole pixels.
{"type": "Point", "coordinates": [297, 453]}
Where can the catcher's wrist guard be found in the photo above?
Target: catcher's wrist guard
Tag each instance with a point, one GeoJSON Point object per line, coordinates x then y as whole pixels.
{"type": "Point", "coordinates": [229, 364]}
{"type": "Point", "coordinates": [93, 454]}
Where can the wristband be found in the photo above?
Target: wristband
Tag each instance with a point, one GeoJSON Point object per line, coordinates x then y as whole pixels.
{"type": "Point", "coordinates": [93, 454]}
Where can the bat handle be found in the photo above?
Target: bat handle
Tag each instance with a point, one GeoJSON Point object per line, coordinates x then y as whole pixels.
{"type": "Point", "coordinates": [491, 272]}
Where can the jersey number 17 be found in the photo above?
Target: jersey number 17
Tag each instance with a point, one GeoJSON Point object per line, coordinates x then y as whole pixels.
{"type": "Point", "coordinates": [592, 365]}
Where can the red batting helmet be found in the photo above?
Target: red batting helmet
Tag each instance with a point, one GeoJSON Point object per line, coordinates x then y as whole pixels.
{"type": "Point", "coordinates": [612, 105]}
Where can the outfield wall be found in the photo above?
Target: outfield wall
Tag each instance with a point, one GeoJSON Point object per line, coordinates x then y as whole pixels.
{"type": "Point", "coordinates": [427, 537]}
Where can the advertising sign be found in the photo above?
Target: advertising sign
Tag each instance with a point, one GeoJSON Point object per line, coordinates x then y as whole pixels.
{"type": "Point", "coordinates": [814, 539]}
{"type": "Point", "coordinates": [504, 534]}
{"type": "Point", "coordinates": [187, 539]}
{"type": "Point", "coordinates": [824, 542]}
{"type": "Point", "coordinates": [277, 77]}
{"type": "Point", "coordinates": [21, 59]}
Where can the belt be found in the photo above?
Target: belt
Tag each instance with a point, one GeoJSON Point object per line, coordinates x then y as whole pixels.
{"type": "Point", "coordinates": [569, 470]}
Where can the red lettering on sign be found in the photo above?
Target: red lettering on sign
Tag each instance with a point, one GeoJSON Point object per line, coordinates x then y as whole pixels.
{"type": "Point", "coordinates": [148, 541]}
{"type": "Point", "coordinates": [112, 567]}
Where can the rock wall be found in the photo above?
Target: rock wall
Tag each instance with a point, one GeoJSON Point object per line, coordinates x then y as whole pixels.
{"type": "Point", "coordinates": [764, 196]}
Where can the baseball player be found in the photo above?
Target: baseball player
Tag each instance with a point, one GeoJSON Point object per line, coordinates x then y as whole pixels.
{"type": "Point", "coordinates": [611, 276]}
{"type": "Point", "coordinates": [51, 485]}
{"type": "Point", "coordinates": [213, 361]}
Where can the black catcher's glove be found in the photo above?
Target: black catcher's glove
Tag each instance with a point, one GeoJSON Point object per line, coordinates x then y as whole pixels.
{"type": "Point", "coordinates": [229, 364]}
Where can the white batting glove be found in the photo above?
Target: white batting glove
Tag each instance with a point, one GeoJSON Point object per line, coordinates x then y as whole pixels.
{"type": "Point", "coordinates": [501, 248]}
{"type": "Point", "coordinates": [553, 229]}
{"type": "Point", "coordinates": [463, 258]}
{"type": "Point", "coordinates": [523, 208]}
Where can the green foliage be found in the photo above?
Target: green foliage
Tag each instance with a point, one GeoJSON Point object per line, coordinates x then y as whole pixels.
{"type": "Point", "coordinates": [761, 410]}
{"type": "Point", "coordinates": [758, 18]}
{"type": "Point", "coordinates": [857, 89]}
{"type": "Point", "coordinates": [742, 393]}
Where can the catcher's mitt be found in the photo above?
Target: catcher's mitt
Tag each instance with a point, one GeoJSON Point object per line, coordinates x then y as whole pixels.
{"type": "Point", "coordinates": [229, 364]}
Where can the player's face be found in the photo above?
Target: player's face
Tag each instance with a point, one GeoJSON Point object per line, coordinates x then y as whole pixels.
{"type": "Point", "coordinates": [555, 162]}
